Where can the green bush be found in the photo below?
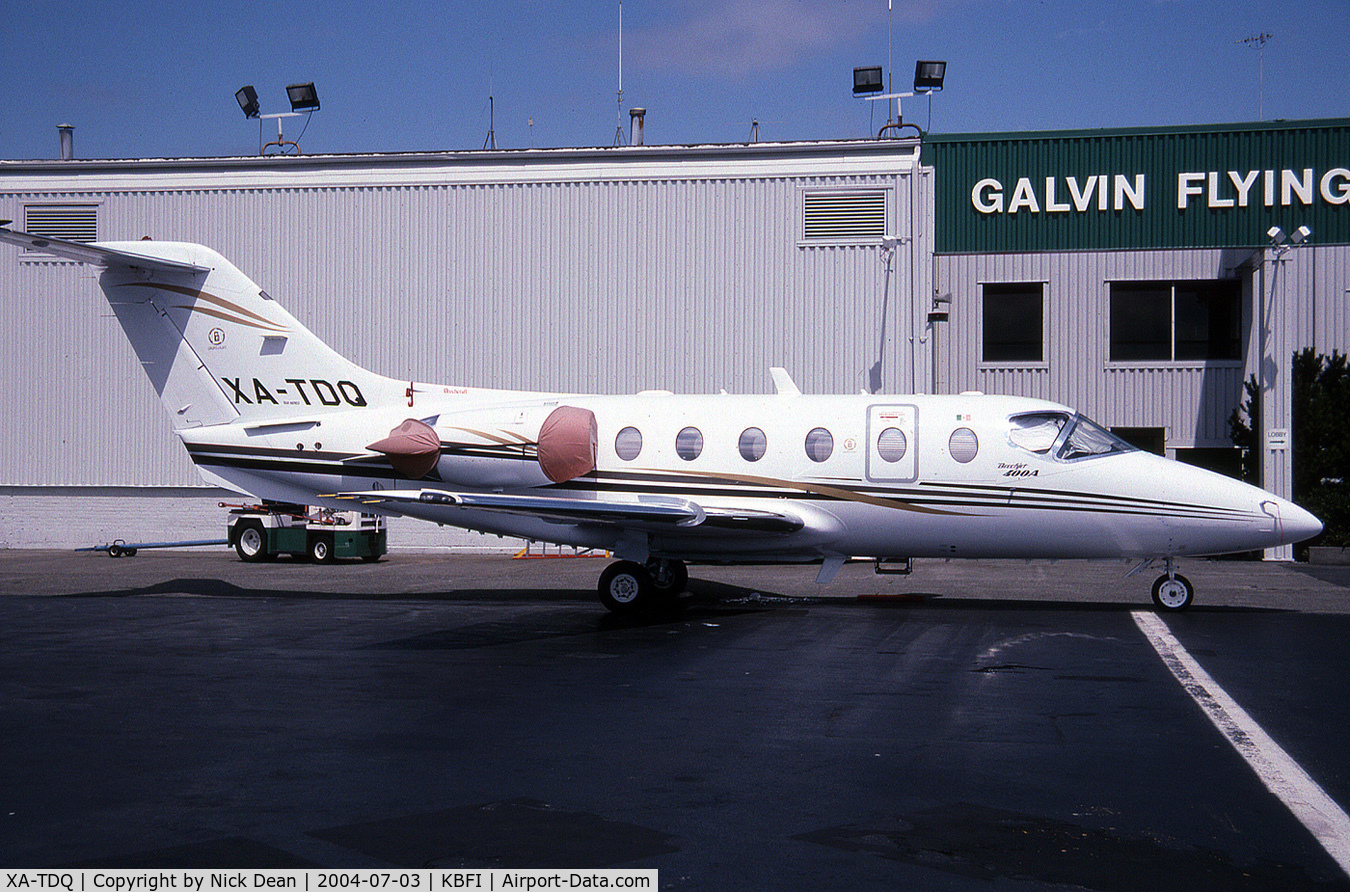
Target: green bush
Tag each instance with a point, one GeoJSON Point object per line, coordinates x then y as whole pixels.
{"type": "Point", "coordinates": [1321, 440]}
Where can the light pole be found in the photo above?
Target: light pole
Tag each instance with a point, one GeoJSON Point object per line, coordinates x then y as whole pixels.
{"type": "Point", "coordinates": [1276, 422]}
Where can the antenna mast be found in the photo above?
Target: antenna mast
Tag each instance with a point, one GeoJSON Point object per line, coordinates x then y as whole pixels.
{"type": "Point", "coordinates": [1259, 41]}
{"type": "Point", "coordinates": [890, 79]}
{"type": "Point", "coordinates": [618, 114]}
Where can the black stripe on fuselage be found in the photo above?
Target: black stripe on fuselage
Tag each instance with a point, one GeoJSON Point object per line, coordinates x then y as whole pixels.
{"type": "Point", "coordinates": [927, 494]}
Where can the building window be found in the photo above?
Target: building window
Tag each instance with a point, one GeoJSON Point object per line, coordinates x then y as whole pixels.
{"type": "Point", "coordinates": [74, 223]}
{"type": "Point", "coordinates": [1221, 459]}
{"type": "Point", "coordinates": [1147, 439]}
{"type": "Point", "coordinates": [843, 217]}
{"type": "Point", "coordinates": [1183, 321]}
{"type": "Point", "coordinates": [1209, 319]}
{"type": "Point", "coordinates": [1013, 328]}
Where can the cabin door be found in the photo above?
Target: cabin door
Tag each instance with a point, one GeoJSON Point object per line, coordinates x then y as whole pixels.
{"type": "Point", "coordinates": [892, 443]}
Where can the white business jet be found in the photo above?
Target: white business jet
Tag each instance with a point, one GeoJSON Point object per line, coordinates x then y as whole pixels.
{"type": "Point", "coordinates": [267, 409]}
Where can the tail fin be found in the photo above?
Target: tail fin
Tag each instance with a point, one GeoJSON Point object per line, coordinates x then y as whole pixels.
{"type": "Point", "coordinates": [214, 345]}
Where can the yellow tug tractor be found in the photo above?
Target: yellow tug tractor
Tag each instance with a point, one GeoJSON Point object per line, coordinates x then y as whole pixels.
{"type": "Point", "coordinates": [261, 532]}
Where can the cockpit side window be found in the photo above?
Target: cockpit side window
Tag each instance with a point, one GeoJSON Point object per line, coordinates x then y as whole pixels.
{"type": "Point", "coordinates": [1037, 431]}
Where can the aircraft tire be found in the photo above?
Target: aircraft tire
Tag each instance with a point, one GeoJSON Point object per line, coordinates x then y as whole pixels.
{"type": "Point", "coordinates": [626, 587]}
{"type": "Point", "coordinates": [669, 578]}
{"type": "Point", "coordinates": [250, 541]}
{"type": "Point", "coordinates": [1174, 594]}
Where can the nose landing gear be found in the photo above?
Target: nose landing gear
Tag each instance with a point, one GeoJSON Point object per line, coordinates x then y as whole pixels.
{"type": "Point", "coordinates": [1172, 592]}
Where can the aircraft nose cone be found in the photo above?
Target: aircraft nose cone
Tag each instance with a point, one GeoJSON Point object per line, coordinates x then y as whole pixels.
{"type": "Point", "coordinates": [1298, 523]}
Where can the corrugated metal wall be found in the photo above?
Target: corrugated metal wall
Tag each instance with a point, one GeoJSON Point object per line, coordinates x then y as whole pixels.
{"type": "Point", "coordinates": [686, 273]}
{"type": "Point", "coordinates": [1191, 399]}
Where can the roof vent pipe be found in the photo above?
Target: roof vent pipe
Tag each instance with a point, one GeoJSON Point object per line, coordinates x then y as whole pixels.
{"type": "Point", "coordinates": [67, 134]}
{"type": "Point", "coordinates": [635, 135]}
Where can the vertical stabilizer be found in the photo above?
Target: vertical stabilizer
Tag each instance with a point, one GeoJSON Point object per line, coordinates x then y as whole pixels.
{"type": "Point", "coordinates": [215, 346]}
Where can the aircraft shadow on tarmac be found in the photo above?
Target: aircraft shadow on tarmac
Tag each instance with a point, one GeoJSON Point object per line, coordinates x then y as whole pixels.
{"type": "Point", "coordinates": [703, 596]}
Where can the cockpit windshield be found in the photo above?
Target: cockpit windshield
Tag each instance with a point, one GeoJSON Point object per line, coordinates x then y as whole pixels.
{"type": "Point", "coordinates": [1067, 437]}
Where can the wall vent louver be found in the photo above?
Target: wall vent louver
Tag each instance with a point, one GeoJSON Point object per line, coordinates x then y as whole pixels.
{"type": "Point", "coordinates": [75, 223]}
{"type": "Point", "coordinates": [844, 216]}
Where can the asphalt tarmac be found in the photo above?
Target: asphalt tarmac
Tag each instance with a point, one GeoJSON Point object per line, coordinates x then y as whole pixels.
{"type": "Point", "coordinates": [977, 725]}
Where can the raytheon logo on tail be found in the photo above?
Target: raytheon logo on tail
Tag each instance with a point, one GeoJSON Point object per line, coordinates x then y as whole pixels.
{"type": "Point", "coordinates": [324, 393]}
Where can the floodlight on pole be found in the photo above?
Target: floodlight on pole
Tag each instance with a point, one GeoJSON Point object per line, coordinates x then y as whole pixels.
{"type": "Point", "coordinates": [304, 100]}
{"type": "Point", "coordinates": [247, 97]}
{"type": "Point", "coordinates": [928, 75]}
{"type": "Point", "coordinates": [928, 78]}
{"type": "Point", "coordinates": [868, 80]}
{"type": "Point", "coordinates": [1282, 243]}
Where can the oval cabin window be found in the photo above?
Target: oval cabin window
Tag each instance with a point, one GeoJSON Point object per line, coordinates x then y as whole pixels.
{"type": "Point", "coordinates": [689, 443]}
{"type": "Point", "coordinates": [892, 444]}
{"type": "Point", "coordinates": [819, 445]}
{"type": "Point", "coordinates": [628, 444]}
{"type": "Point", "coordinates": [963, 444]}
{"type": "Point", "coordinates": [753, 444]}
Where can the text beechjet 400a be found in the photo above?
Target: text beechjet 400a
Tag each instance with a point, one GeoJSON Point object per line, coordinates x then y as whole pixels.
{"type": "Point", "coordinates": [266, 408]}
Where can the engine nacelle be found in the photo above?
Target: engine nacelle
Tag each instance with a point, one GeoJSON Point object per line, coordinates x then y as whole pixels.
{"type": "Point", "coordinates": [515, 448]}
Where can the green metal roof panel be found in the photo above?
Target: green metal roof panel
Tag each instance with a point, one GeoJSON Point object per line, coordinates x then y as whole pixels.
{"type": "Point", "coordinates": [1165, 187]}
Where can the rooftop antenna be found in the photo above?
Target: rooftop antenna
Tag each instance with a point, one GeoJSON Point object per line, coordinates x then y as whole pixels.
{"type": "Point", "coordinates": [1259, 41]}
{"type": "Point", "coordinates": [890, 68]}
{"type": "Point", "coordinates": [491, 141]}
{"type": "Point", "coordinates": [755, 122]}
{"type": "Point", "coordinates": [618, 114]}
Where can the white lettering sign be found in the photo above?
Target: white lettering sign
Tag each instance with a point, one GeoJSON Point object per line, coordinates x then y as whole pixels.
{"type": "Point", "coordinates": [1113, 193]}
{"type": "Point", "coordinates": [1215, 189]}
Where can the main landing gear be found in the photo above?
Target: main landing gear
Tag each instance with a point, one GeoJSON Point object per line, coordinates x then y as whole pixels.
{"type": "Point", "coordinates": [630, 587]}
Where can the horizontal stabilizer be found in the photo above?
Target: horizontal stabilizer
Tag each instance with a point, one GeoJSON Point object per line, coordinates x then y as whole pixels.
{"type": "Point", "coordinates": [95, 254]}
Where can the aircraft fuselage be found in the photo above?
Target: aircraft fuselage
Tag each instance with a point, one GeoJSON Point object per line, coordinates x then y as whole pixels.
{"type": "Point", "coordinates": [866, 475]}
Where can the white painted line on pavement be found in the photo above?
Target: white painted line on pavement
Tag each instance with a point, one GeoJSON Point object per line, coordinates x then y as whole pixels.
{"type": "Point", "coordinates": [1280, 773]}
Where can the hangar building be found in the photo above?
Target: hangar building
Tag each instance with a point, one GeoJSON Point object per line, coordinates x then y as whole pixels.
{"type": "Point", "coordinates": [1127, 273]}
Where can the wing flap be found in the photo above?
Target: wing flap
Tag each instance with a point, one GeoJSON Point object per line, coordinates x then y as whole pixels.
{"type": "Point", "coordinates": [557, 509]}
{"type": "Point", "coordinates": [650, 512]}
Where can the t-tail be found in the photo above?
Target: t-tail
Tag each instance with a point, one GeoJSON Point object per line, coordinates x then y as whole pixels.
{"type": "Point", "coordinates": [215, 346]}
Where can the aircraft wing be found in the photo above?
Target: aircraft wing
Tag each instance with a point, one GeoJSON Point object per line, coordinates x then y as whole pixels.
{"type": "Point", "coordinates": [94, 254]}
{"type": "Point", "coordinates": [652, 512]}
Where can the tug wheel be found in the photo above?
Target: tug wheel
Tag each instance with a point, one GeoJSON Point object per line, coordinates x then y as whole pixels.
{"type": "Point", "coordinates": [321, 549]}
{"type": "Point", "coordinates": [250, 541]}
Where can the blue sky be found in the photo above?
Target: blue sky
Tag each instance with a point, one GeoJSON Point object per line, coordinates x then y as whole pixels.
{"type": "Point", "coordinates": [158, 79]}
